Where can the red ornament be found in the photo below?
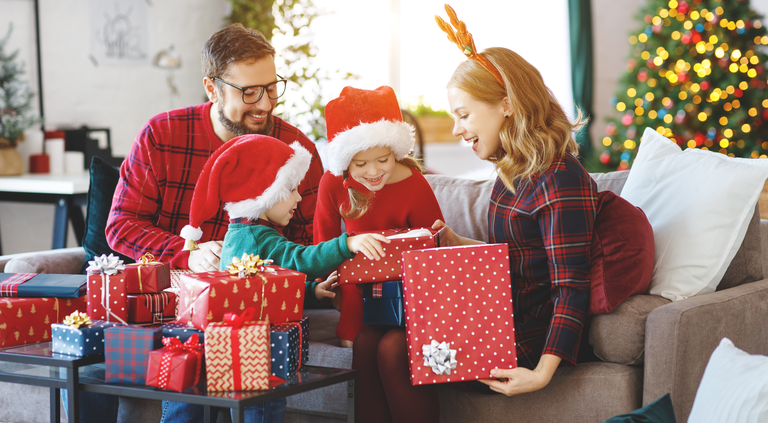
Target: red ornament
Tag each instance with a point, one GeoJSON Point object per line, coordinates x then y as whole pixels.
{"type": "Point", "coordinates": [765, 114]}
{"type": "Point", "coordinates": [610, 129]}
{"type": "Point", "coordinates": [627, 119]}
{"type": "Point", "coordinates": [605, 158]}
{"type": "Point", "coordinates": [699, 138]}
{"type": "Point", "coordinates": [704, 85]}
{"type": "Point", "coordinates": [738, 93]}
{"type": "Point", "coordinates": [695, 37]}
{"type": "Point", "coordinates": [682, 8]}
{"type": "Point", "coordinates": [686, 39]}
{"type": "Point", "coordinates": [642, 76]}
{"type": "Point", "coordinates": [682, 77]}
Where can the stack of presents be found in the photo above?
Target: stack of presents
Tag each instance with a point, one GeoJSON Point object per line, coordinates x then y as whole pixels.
{"type": "Point", "coordinates": [244, 329]}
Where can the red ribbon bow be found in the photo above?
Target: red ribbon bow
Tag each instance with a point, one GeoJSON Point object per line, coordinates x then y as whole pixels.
{"type": "Point", "coordinates": [172, 345]}
{"type": "Point", "coordinates": [237, 320]}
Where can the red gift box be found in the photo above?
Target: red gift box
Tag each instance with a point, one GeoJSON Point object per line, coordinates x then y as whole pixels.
{"type": "Point", "coordinates": [458, 313]}
{"type": "Point", "coordinates": [147, 276]}
{"type": "Point", "coordinates": [360, 269]}
{"type": "Point", "coordinates": [28, 320]}
{"type": "Point", "coordinates": [237, 353]}
{"type": "Point", "coordinates": [107, 298]}
{"type": "Point", "coordinates": [154, 308]}
{"type": "Point", "coordinates": [206, 297]}
{"type": "Point", "coordinates": [177, 366]}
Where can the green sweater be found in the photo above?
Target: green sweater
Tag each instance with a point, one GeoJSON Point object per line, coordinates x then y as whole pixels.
{"type": "Point", "coordinates": [315, 261]}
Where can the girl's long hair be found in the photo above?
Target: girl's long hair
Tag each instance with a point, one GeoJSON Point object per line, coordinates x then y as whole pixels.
{"type": "Point", "coordinates": [360, 202]}
{"type": "Point", "coordinates": [536, 131]}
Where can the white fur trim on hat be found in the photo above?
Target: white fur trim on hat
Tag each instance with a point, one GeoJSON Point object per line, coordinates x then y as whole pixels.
{"type": "Point", "coordinates": [191, 233]}
{"type": "Point", "coordinates": [398, 136]}
{"type": "Point", "coordinates": [288, 178]}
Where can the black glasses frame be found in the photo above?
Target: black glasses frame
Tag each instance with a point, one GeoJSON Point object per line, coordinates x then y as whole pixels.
{"type": "Point", "coordinates": [262, 87]}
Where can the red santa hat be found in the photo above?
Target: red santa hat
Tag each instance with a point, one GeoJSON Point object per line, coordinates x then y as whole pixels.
{"type": "Point", "coordinates": [359, 120]}
{"type": "Point", "coordinates": [250, 173]}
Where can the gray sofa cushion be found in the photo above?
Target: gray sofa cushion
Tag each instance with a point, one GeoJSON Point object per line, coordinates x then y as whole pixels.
{"type": "Point", "coordinates": [464, 204]}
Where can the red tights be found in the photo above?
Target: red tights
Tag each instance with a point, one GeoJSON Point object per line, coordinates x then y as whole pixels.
{"type": "Point", "coordinates": [385, 392]}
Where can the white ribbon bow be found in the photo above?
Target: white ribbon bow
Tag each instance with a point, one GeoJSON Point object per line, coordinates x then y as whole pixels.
{"type": "Point", "coordinates": [108, 265]}
{"type": "Point", "coordinates": [440, 357]}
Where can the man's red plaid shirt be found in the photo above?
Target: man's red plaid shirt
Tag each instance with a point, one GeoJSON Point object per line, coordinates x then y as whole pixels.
{"type": "Point", "coordinates": [152, 199]}
{"type": "Point", "coordinates": [548, 225]}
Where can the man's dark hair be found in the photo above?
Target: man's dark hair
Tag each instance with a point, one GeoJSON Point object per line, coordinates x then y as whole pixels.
{"type": "Point", "coordinates": [233, 44]}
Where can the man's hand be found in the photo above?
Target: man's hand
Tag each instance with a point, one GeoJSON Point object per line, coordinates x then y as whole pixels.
{"type": "Point", "coordinates": [206, 258]}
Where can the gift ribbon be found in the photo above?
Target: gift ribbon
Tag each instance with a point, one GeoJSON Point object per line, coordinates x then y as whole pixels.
{"type": "Point", "coordinates": [77, 320]}
{"type": "Point", "coordinates": [236, 321]}
{"type": "Point", "coordinates": [145, 260]}
{"type": "Point", "coordinates": [440, 357]}
{"type": "Point", "coordinates": [10, 286]}
{"type": "Point", "coordinates": [173, 345]}
{"type": "Point", "coordinates": [106, 266]}
{"type": "Point", "coordinates": [249, 265]}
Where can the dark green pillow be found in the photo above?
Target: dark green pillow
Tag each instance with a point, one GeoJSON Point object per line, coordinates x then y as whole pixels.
{"type": "Point", "coordinates": [658, 411]}
{"type": "Point", "coordinates": [104, 178]}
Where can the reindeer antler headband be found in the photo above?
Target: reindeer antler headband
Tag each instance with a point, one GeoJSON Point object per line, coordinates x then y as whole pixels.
{"type": "Point", "coordinates": [463, 39]}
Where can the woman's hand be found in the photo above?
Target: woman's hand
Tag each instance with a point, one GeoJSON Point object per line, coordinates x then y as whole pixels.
{"type": "Point", "coordinates": [450, 238]}
{"type": "Point", "coordinates": [521, 380]}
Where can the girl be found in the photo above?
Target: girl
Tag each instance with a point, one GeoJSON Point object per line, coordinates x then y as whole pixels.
{"type": "Point", "coordinates": [372, 183]}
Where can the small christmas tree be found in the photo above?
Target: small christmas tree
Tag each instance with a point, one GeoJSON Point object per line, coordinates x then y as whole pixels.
{"type": "Point", "coordinates": [696, 75]}
{"type": "Point", "coordinates": [16, 114]}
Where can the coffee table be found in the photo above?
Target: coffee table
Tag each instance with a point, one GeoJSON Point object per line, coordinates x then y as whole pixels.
{"type": "Point", "coordinates": [38, 365]}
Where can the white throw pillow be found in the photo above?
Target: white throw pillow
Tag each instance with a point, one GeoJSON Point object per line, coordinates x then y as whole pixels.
{"type": "Point", "coordinates": [699, 204]}
{"type": "Point", "coordinates": [734, 388]}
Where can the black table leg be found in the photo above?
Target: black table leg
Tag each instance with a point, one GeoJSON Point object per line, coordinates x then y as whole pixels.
{"type": "Point", "coordinates": [60, 219]}
{"type": "Point", "coordinates": [55, 405]}
{"type": "Point", "coordinates": [207, 413]}
{"type": "Point", "coordinates": [78, 221]}
{"type": "Point", "coordinates": [238, 415]}
{"type": "Point", "coordinates": [73, 396]}
{"type": "Point", "coordinates": [352, 401]}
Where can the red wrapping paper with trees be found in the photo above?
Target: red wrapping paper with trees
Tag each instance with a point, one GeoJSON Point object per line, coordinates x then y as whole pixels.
{"type": "Point", "coordinates": [28, 320]}
{"type": "Point", "coordinates": [458, 313]}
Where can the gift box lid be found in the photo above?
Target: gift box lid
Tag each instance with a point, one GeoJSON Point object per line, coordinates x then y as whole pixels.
{"type": "Point", "coordinates": [389, 289]}
{"type": "Point", "coordinates": [48, 285]}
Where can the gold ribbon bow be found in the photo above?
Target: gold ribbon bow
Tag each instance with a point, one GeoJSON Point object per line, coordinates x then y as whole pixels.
{"type": "Point", "coordinates": [146, 259]}
{"type": "Point", "coordinates": [249, 265]}
{"type": "Point", "coordinates": [77, 319]}
{"type": "Point", "coordinates": [463, 39]}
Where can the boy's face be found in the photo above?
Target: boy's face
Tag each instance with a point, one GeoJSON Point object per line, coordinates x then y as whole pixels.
{"type": "Point", "coordinates": [282, 212]}
{"type": "Point", "coordinates": [373, 168]}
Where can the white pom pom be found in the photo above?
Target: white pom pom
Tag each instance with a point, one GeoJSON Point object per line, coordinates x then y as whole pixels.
{"type": "Point", "coordinates": [191, 233]}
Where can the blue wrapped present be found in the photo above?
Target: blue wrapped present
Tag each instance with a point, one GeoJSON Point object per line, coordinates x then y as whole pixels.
{"type": "Point", "coordinates": [126, 352]}
{"type": "Point", "coordinates": [42, 285]}
{"type": "Point", "coordinates": [383, 304]}
{"type": "Point", "coordinates": [82, 341]}
{"type": "Point", "coordinates": [182, 332]}
{"type": "Point", "coordinates": [289, 347]}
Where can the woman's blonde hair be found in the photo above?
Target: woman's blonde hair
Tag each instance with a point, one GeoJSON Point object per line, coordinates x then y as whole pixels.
{"type": "Point", "coordinates": [536, 131]}
{"type": "Point", "coordinates": [360, 202]}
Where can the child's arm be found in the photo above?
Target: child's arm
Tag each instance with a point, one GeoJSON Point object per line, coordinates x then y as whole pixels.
{"type": "Point", "coordinates": [327, 223]}
{"type": "Point", "coordinates": [319, 289]}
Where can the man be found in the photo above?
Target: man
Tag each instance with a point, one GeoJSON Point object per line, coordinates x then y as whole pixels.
{"type": "Point", "coordinates": [152, 199]}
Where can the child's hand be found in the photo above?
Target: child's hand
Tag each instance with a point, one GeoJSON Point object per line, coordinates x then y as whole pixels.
{"type": "Point", "coordinates": [368, 244]}
{"type": "Point", "coordinates": [324, 288]}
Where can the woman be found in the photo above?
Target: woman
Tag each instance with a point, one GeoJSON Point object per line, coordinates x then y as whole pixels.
{"type": "Point", "coordinates": [543, 206]}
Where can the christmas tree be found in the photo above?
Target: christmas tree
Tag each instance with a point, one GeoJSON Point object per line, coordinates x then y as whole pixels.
{"type": "Point", "coordinates": [15, 97]}
{"type": "Point", "coordinates": [696, 74]}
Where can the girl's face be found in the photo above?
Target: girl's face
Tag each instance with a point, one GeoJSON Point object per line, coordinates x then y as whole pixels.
{"type": "Point", "coordinates": [282, 212]}
{"type": "Point", "coordinates": [477, 122]}
{"type": "Point", "coordinates": [373, 168]}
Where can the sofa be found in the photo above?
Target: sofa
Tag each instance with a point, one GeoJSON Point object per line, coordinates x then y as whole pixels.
{"type": "Point", "coordinates": [645, 348]}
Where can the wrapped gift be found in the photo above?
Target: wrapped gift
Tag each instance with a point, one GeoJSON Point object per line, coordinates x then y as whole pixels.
{"type": "Point", "coordinates": [383, 304]}
{"type": "Point", "coordinates": [182, 332]}
{"type": "Point", "coordinates": [458, 313]}
{"type": "Point", "coordinates": [78, 336]}
{"type": "Point", "coordinates": [276, 293]}
{"type": "Point", "coordinates": [42, 285]}
{"type": "Point", "coordinates": [155, 308]}
{"type": "Point", "coordinates": [289, 347]}
{"type": "Point", "coordinates": [126, 352]}
{"type": "Point", "coordinates": [237, 353]}
{"type": "Point", "coordinates": [107, 297]}
{"type": "Point", "coordinates": [28, 320]}
{"type": "Point", "coordinates": [177, 366]}
{"type": "Point", "coordinates": [147, 276]}
{"type": "Point", "coordinates": [360, 269]}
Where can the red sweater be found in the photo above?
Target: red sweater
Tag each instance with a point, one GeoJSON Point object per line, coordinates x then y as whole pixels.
{"type": "Point", "coordinates": [152, 200]}
{"type": "Point", "coordinates": [409, 203]}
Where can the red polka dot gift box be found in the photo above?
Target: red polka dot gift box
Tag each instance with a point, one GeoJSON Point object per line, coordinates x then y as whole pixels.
{"type": "Point", "coordinates": [363, 270]}
{"type": "Point", "coordinates": [107, 293]}
{"type": "Point", "coordinates": [458, 313]}
{"type": "Point", "coordinates": [178, 365]}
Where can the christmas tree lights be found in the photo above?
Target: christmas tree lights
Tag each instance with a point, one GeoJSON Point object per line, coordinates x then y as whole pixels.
{"type": "Point", "coordinates": [697, 75]}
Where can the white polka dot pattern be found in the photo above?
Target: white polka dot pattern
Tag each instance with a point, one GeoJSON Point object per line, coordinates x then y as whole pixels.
{"type": "Point", "coordinates": [112, 307]}
{"type": "Point", "coordinates": [462, 296]}
{"type": "Point", "coordinates": [362, 270]}
{"type": "Point", "coordinates": [81, 341]}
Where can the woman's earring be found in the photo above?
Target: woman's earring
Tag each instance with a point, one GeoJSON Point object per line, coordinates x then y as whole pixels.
{"type": "Point", "coordinates": [506, 116]}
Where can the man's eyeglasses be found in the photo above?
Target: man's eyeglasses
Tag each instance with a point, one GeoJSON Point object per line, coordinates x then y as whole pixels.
{"type": "Point", "coordinates": [253, 94]}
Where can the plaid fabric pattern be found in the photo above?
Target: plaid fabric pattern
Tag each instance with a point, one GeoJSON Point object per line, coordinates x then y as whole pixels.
{"type": "Point", "coordinates": [548, 226]}
{"type": "Point", "coordinates": [10, 286]}
{"type": "Point", "coordinates": [126, 352]}
{"type": "Point", "coordinates": [152, 199]}
{"type": "Point", "coordinates": [376, 286]}
{"type": "Point", "coordinates": [156, 303]}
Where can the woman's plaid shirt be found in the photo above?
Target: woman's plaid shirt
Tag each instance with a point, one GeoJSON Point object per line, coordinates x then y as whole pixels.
{"type": "Point", "coordinates": [548, 225]}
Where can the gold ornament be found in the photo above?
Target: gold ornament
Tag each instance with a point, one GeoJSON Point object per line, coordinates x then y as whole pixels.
{"type": "Point", "coordinates": [77, 320]}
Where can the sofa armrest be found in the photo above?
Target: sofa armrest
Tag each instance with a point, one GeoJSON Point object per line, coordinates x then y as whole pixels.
{"type": "Point", "coordinates": [681, 336]}
{"type": "Point", "coordinates": [56, 261]}
{"type": "Point", "coordinates": [764, 238]}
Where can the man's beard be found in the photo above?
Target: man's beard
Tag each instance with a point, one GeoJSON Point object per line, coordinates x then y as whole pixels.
{"type": "Point", "coordinates": [239, 128]}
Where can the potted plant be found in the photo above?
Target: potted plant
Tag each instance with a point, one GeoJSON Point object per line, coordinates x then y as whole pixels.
{"type": "Point", "coordinates": [435, 125]}
{"type": "Point", "coordinates": [16, 114]}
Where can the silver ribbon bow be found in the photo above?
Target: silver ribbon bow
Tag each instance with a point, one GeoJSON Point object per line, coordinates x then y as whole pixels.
{"type": "Point", "coordinates": [108, 265]}
{"type": "Point", "coordinates": [440, 357]}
